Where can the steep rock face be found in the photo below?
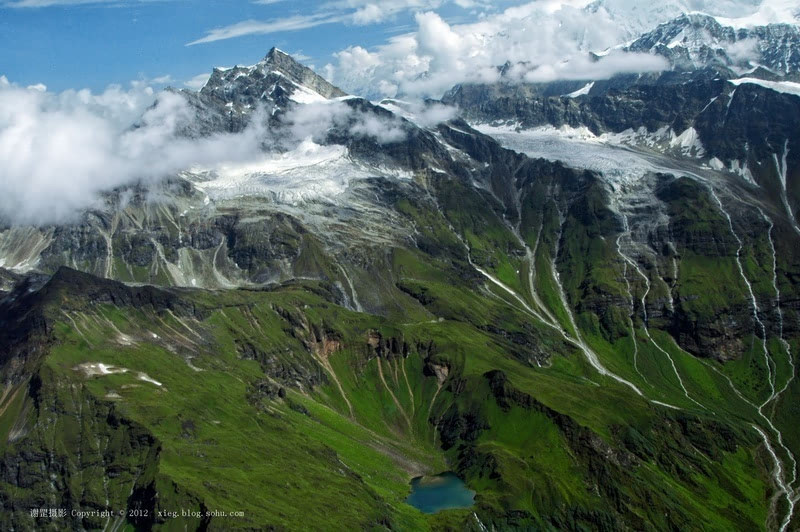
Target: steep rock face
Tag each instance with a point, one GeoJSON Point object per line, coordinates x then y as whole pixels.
{"type": "Point", "coordinates": [699, 231]}
{"type": "Point", "coordinates": [300, 74]}
{"type": "Point", "coordinates": [670, 99]}
{"type": "Point", "coordinates": [754, 126]}
{"type": "Point", "coordinates": [560, 211]}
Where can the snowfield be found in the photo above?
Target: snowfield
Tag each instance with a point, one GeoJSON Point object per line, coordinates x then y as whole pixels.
{"type": "Point", "coordinates": [786, 87]}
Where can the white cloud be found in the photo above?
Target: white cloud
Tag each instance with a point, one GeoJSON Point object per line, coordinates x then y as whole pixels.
{"type": "Point", "coordinates": [197, 82]}
{"type": "Point", "coordinates": [369, 14]}
{"type": "Point", "coordinates": [117, 106]}
{"type": "Point", "coordinates": [382, 130]}
{"type": "Point", "coordinates": [59, 151]}
{"type": "Point", "coordinates": [546, 39]}
{"type": "Point", "coordinates": [315, 120]}
{"type": "Point", "coordinates": [375, 11]}
{"type": "Point", "coordinates": [161, 80]}
{"type": "Point", "coordinates": [743, 51]}
{"type": "Point", "coordinates": [582, 67]}
{"type": "Point", "coordinates": [351, 12]}
{"type": "Point", "coordinates": [424, 114]}
{"type": "Point", "coordinates": [300, 56]}
{"type": "Point", "coordinates": [431, 115]}
{"type": "Point", "coordinates": [359, 58]}
{"type": "Point", "coordinates": [255, 27]}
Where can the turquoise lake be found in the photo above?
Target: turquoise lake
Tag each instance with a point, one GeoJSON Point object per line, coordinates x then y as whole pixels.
{"type": "Point", "coordinates": [441, 492]}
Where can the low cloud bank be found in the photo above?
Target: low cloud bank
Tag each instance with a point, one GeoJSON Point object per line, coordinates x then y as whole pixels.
{"type": "Point", "coordinates": [313, 121]}
{"type": "Point", "coordinates": [60, 152]}
{"type": "Point", "coordinates": [546, 40]}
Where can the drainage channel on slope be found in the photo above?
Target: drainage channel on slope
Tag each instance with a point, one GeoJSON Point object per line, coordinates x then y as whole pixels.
{"type": "Point", "coordinates": [778, 309]}
{"type": "Point", "coordinates": [778, 473]}
{"type": "Point", "coordinates": [591, 357]}
{"type": "Point", "coordinates": [641, 274]}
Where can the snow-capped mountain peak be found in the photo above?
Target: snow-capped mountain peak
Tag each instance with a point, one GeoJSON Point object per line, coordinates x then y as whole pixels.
{"type": "Point", "coordinates": [278, 77]}
{"type": "Point", "coordinates": [692, 41]}
{"type": "Point", "coordinates": [636, 17]}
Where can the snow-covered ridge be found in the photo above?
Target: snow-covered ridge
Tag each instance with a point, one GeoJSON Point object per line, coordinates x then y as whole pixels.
{"type": "Point", "coordinates": [686, 143]}
{"type": "Point", "coordinates": [610, 153]}
{"type": "Point", "coordinates": [786, 87]}
{"type": "Point", "coordinates": [310, 172]}
{"type": "Point", "coordinates": [583, 91]}
{"type": "Point", "coordinates": [303, 94]}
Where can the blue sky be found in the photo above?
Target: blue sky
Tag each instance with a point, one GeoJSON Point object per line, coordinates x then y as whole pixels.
{"type": "Point", "coordinates": [85, 44]}
{"type": "Point", "coordinates": [375, 47]}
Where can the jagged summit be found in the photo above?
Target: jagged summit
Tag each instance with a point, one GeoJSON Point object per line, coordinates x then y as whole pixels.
{"type": "Point", "coordinates": [276, 64]}
{"type": "Point", "coordinates": [277, 82]}
{"type": "Point", "coordinates": [279, 61]}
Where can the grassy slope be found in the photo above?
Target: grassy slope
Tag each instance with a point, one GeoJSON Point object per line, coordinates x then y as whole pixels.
{"type": "Point", "coordinates": [551, 446]}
